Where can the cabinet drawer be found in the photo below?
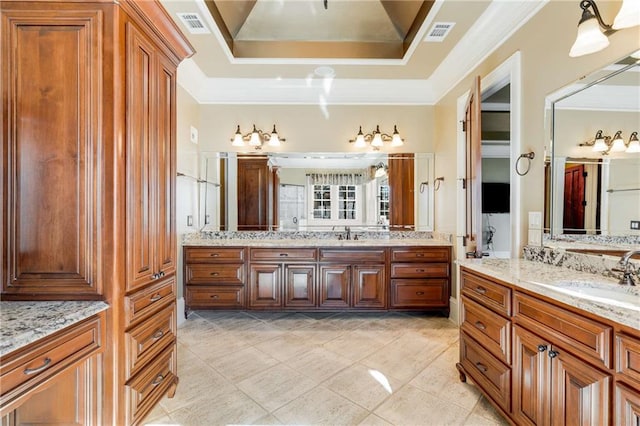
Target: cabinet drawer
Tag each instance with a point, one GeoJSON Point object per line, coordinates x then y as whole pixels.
{"type": "Point", "coordinates": [352, 255]}
{"type": "Point", "coordinates": [487, 371]}
{"type": "Point", "coordinates": [489, 329]}
{"type": "Point", "coordinates": [488, 293]}
{"type": "Point", "coordinates": [48, 356]}
{"type": "Point", "coordinates": [218, 296]}
{"type": "Point", "coordinates": [419, 293]}
{"type": "Point", "coordinates": [147, 339]}
{"type": "Point", "coordinates": [420, 254]}
{"type": "Point", "coordinates": [627, 356]}
{"type": "Point", "coordinates": [283, 254]}
{"type": "Point", "coordinates": [419, 270]}
{"type": "Point", "coordinates": [149, 386]}
{"type": "Point", "coordinates": [590, 339]}
{"type": "Point", "coordinates": [213, 274]}
{"type": "Point", "coordinates": [143, 303]}
{"type": "Point", "coordinates": [213, 254]}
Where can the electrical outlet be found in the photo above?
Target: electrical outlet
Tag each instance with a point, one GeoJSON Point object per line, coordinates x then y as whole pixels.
{"type": "Point", "coordinates": [194, 135]}
{"type": "Point", "coordinates": [635, 224]}
{"type": "Point", "coordinates": [207, 219]}
{"type": "Point", "coordinates": [189, 220]}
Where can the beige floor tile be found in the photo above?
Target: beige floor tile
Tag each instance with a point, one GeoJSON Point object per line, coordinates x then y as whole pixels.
{"type": "Point", "coordinates": [211, 348]}
{"type": "Point", "coordinates": [285, 347]}
{"type": "Point", "coordinates": [320, 406]}
{"type": "Point", "coordinates": [159, 421]}
{"type": "Point", "coordinates": [485, 410]}
{"type": "Point", "coordinates": [411, 406]}
{"type": "Point", "coordinates": [319, 364]}
{"type": "Point", "coordinates": [364, 386]}
{"type": "Point", "coordinates": [292, 321]}
{"type": "Point", "coordinates": [354, 345]}
{"type": "Point", "coordinates": [156, 415]}
{"type": "Point", "coordinates": [373, 420]}
{"type": "Point", "coordinates": [276, 386]}
{"type": "Point", "coordinates": [195, 329]}
{"type": "Point", "coordinates": [245, 363]}
{"type": "Point", "coordinates": [318, 333]}
{"type": "Point", "coordinates": [258, 332]}
{"type": "Point", "coordinates": [232, 407]}
{"type": "Point", "coordinates": [269, 419]}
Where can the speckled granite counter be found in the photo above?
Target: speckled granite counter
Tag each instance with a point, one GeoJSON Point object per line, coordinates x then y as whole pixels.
{"type": "Point", "coordinates": [316, 242]}
{"type": "Point", "coordinates": [22, 323]}
{"type": "Point", "coordinates": [548, 280]}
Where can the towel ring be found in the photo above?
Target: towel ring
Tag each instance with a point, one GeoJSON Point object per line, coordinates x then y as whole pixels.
{"type": "Point", "coordinates": [529, 156]}
{"type": "Point", "coordinates": [436, 182]}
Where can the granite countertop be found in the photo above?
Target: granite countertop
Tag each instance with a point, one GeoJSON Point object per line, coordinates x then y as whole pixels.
{"type": "Point", "coordinates": [317, 242]}
{"type": "Point", "coordinates": [22, 323]}
{"type": "Point", "coordinates": [553, 282]}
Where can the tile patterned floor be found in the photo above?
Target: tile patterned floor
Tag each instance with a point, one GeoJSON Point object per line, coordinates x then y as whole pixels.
{"type": "Point", "coordinates": [321, 369]}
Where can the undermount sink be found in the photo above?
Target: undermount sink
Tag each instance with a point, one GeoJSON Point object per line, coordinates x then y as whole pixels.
{"type": "Point", "coordinates": [624, 296]}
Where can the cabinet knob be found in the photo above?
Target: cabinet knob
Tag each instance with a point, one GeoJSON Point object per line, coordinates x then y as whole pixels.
{"type": "Point", "coordinates": [155, 276]}
{"type": "Point", "coordinates": [215, 296]}
{"type": "Point", "coordinates": [480, 325]}
{"type": "Point", "coordinates": [158, 334]}
{"type": "Point", "coordinates": [44, 365]}
{"type": "Point", "coordinates": [481, 290]}
{"type": "Point", "coordinates": [419, 254]}
{"type": "Point", "coordinates": [214, 274]}
{"type": "Point", "coordinates": [419, 270]}
{"type": "Point", "coordinates": [159, 378]}
{"type": "Point", "coordinates": [214, 254]}
{"type": "Point", "coordinates": [480, 366]}
{"type": "Point", "coordinates": [553, 354]}
{"type": "Point", "coordinates": [542, 348]}
{"type": "Point", "coordinates": [419, 293]}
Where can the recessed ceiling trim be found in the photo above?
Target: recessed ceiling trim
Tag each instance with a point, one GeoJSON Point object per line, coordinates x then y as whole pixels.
{"type": "Point", "coordinates": [313, 49]}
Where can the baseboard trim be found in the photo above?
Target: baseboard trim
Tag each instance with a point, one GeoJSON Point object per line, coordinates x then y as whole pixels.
{"type": "Point", "coordinates": [180, 313]}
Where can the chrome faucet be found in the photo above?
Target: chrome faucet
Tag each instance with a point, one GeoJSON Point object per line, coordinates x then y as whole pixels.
{"type": "Point", "coordinates": [627, 270]}
{"type": "Point", "coordinates": [348, 231]}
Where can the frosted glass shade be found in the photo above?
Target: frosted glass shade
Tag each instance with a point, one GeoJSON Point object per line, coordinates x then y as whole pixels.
{"type": "Point", "coordinates": [628, 16]}
{"type": "Point", "coordinates": [589, 39]}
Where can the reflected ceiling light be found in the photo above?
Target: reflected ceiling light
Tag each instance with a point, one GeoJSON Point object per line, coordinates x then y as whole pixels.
{"type": "Point", "coordinates": [634, 144]}
{"type": "Point", "coordinates": [606, 144]}
{"type": "Point", "coordinates": [256, 138]}
{"type": "Point", "coordinates": [377, 139]}
{"type": "Point", "coordinates": [593, 32]}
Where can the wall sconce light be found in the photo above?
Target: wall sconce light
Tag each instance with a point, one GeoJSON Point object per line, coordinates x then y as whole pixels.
{"type": "Point", "coordinates": [380, 170]}
{"type": "Point", "coordinates": [256, 138]}
{"type": "Point", "coordinates": [606, 144]}
{"type": "Point", "coordinates": [593, 32]}
{"type": "Point", "coordinates": [377, 139]}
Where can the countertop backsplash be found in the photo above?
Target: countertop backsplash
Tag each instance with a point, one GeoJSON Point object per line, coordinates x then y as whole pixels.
{"type": "Point", "coordinates": [315, 235]}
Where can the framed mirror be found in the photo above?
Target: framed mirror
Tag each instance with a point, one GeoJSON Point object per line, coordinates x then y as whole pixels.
{"type": "Point", "coordinates": [316, 191]}
{"type": "Point", "coordinates": [592, 177]}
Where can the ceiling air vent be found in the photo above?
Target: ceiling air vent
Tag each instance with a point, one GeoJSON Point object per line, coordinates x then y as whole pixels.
{"type": "Point", "coordinates": [193, 22]}
{"type": "Point", "coordinates": [439, 31]}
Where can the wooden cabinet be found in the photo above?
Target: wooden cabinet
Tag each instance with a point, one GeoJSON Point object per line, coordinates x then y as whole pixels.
{"type": "Point", "coordinates": [89, 173]}
{"type": "Point", "coordinates": [627, 374]}
{"type": "Point", "coordinates": [335, 285]}
{"type": "Point", "coordinates": [254, 189]}
{"type": "Point", "coordinates": [420, 278]}
{"type": "Point", "coordinates": [299, 290]}
{"type": "Point", "coordinates": [401, 190]}
{"type": "Point", "coordinates": [56, 380]}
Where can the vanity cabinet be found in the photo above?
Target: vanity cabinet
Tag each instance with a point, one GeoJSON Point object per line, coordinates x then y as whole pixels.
{"type": "Point", "coordinates": [627, 388]}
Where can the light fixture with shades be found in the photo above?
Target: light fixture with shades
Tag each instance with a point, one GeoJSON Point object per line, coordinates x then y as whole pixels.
{"type": "Point", "coordinates": [257, 138]}
{"type": "Point", "coordinates": [377, 139]}
{"type": "Point", "coordinates": [593, 32]}
{"type": "Point", "coordinates": [606, 144]}
{"type": "Point", "coordinates": [380, 170]}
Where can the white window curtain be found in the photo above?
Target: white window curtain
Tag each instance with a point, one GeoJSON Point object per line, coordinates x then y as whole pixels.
{"type": "Point", "coordinates": [339, 177]}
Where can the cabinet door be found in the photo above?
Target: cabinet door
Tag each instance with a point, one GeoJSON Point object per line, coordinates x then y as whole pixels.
{"type": "Point", "coordinates": [335, 282]}
{"type": "Point", "coordinates": [369, 289]}
{"type": "Point", "coordinates": [264, 286]}
{"type": "Point", "coordinates": [531, 378]}
{"type": "Point", "coordinates": [627, 406]}
{"type": "Point", "coordinates": [253, 194]}
{"type": "Point", "coordinates": [299, 285]}
{"type": "Point", "coordinates": [580, 393]}
{"type": "Point", "coordinates": [52, 148]}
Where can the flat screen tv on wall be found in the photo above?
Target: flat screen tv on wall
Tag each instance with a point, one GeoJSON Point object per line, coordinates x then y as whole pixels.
{"type": "Point", "coordinates": [495, 197]}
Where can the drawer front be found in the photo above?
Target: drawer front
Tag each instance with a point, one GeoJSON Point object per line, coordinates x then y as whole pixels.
{"type": "Point", "coordinates": [489, 329]}
{"type": "Point", "coordinates": [419, 270]}
{"type": "Point", "coordinates": [488, 293]}
{"type": "Point", "coordinates": [419, 293]}
{"type": "Point", "coordinates": [148, 338]}
{"type": "Point", "coordinates": [420, 254]}
{"type": "Point", "coordinates": [212, 274]}
{"type": "Point", "coordinates": [213, 254]}
{"type": "Point", "coordinates": [149, 386]}
{"type": "Point", "coordinates": [353, 255]}
{"type": "Point", "coordinates": [283, 254]}
{"type": "Point", "coordinates": [486, 371]}
{"type": "Point", "coordinates": [627, 356]}
{"type": "Point", "coordinates": [219, 296]}
{"type": "Point", "coordinates": [50, 356]}
{"type": "Point", "coordinates": [145, 302]}
{"type": "Point", "coordinates": [590, 339]}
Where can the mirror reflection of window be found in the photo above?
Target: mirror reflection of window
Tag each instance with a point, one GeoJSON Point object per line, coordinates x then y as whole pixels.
{"type": "Point", "coordinates": [383, 204]}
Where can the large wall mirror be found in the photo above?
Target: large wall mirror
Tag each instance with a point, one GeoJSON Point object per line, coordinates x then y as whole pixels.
{"type": "Point", "coordinates": [593, 174]}
{"type": "Point", "coordinates": [319, 191]}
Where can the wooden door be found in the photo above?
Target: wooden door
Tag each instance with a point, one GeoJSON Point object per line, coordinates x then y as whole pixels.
{"type": "Point", "coordinates": [531, 378]}
{"type": "Point", "coordinates": [473, 172]}
{"type": "Point", "coordinates": [574, 199]}
{"type": "Point", "coordinates": [254, 181]}
{"type": "Point", "coordinates": [265, 285]}
{"type": "Point", "coordinates": [52, 150]}
{"type": "Point", "coordinates": [580, 393]}
{"type": "Point", "coordinates": [401, 191]}
{"type": "Point", "coordinates": [335, 283]}
{"type": "Point", "coordinates": [299, 285]}
{"type": "Point", "coordinates": [369, 286]}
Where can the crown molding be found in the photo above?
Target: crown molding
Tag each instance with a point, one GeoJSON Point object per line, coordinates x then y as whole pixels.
{"type": "Point", "coordinates": [495, 25]}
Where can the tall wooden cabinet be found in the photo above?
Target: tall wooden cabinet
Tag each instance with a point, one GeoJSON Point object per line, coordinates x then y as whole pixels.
{"type": "Point", "coordinates": [88, 178]}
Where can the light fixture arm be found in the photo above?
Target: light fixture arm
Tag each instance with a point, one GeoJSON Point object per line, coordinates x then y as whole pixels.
{"type": "Point", "coordinates": [585, 4]}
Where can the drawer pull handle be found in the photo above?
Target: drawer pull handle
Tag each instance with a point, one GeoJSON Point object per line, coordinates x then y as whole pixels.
{"type": "Point", "coordinates": [284, 254]}
{"type": "Point", "coordinates": [214, 274]}
{"type": "Point", "coordinates": [480, 366]}
{"type": "Point", "coordinates": [419, 293]}
{"type": "Point", "coordinates": [553, 354]}
{"type": "Point", "coordinates": [419, 270]}
{"type": "Point", "coordinates": [542, 348]}
{"type": "Point", "coordinates": [215, 296]}
{"type": "Point", "coordinates": [481, 290]}
{"type": "Point", "coordinates": [419, 254]}
{"type": "Point", "coordinates": [158, 334]}
{"type": "Point", "coordinates": [155, 276]}
{"type": "Point", "coordinates": [155, 297]}
{"type": "Point", "coordinates": [480, 325]}
{"type": "Point", "coordinates": [44, 365]}
{"type": "Point", "coordinates": [159, 378]}
{"type": "Point", "coordinates": [161, 273]}
{"type": "Point", "coordinates": [214, 254]}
